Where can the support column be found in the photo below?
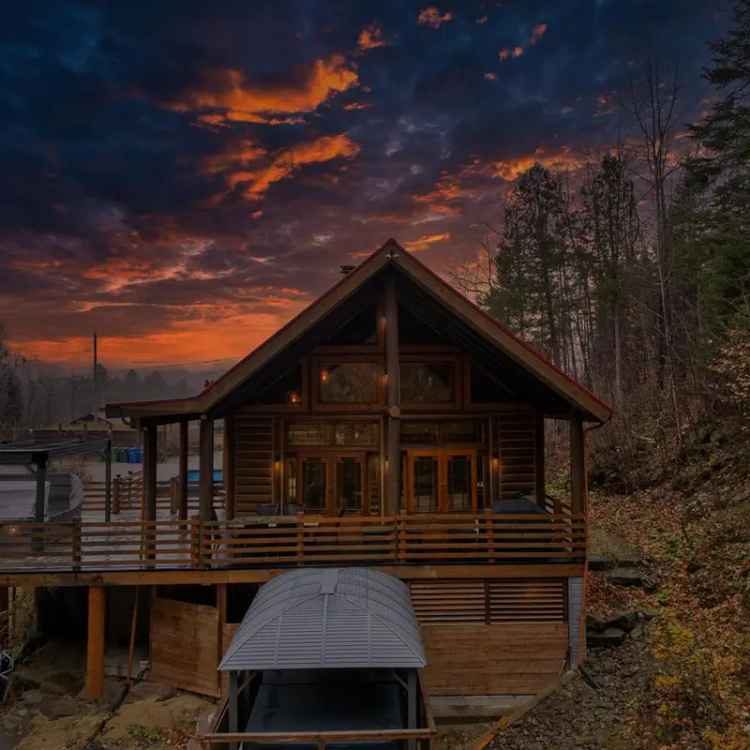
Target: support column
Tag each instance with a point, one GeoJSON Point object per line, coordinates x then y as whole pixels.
{"type": "Point", "coordinates": [206, 468]}
{"type": "Point", "coordinates": [539, 467]}
{"type": "Point", "coordinates": [148, 507]}
{"type": "Point", "coordinates": [577, 467]}
{"type": "Point", "coordinates": [182, 473]}
{"type": "Point", "coordinates": [411, 710]}
{"type": "Point", "coordinates": [40, 503]}
{"type": "Point", "coordinates": [229, 459]}
{"type": "Point", "coordinates": [95, 643]}
{"type": "Point", "coordinates": [233, 702]}
{"type": "Point", "coordinates": [393, 399]}
{"type": "Point", "coordinates": [108, 482]}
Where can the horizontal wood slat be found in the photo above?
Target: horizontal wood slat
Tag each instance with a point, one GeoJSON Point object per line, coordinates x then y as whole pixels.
{"type": "Point", "coordinates": [296, 540]}
{"type": "Point", "coordinates": [494, 659]}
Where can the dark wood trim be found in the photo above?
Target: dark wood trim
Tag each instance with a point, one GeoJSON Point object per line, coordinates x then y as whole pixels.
{"type": "Point", "coordinates": [393, 399]}
{"type": "Point", "coordinates": [148, 507]}
{"type": "Point", "coordinates": [206, 468]}
{"type": "Point", "coordinates": [182, 475]}
{"type": "Point", "coordinates": [577, 466]}
{"type": "Point", "coordinates": [539, 460]}
{"type": "Point", "coordinates": [230, 462]}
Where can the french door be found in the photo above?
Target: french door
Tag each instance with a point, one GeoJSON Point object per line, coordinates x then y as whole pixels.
{"type": "Point", "coordinates": [441, 481]}
{"type": "Point", "coordinates": [331, 484]}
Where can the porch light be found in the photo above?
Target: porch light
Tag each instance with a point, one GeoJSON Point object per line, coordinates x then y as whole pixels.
{"type": "Point", "coordinates": [495, 464]}
{"type": "Point", "coordinates": [294, 397]}
{"type": "Point", "coordinates": [324, 376]}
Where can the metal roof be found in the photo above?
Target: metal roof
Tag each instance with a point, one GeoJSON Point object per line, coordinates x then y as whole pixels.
{"type": "Point", "coordinates": [328, 618]}
{"type": "Point", "coordinates": [31, 451]}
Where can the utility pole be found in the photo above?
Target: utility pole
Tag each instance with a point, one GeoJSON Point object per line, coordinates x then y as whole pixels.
{"type": "Point", "coordinates": [96, 394]}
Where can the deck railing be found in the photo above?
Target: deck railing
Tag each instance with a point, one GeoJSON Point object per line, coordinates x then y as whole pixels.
{"type": "Point", "coordinates": [289, 541]}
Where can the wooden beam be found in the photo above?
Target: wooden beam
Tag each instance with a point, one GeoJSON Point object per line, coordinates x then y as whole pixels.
{"type": "Point", "coordinates": [182, 475]}
{"type": "Point", "coordinates": [539, 467]}
{"type": "Point", "coordinates": [41, 490]}
{"type": "Point", "coordinates": [229, 464]}
{"type": "Point", "coordinates": [577, 466]}
{"type": "Point", "coordinates": [206, 468]}
{"type": "Point", "coordinates": [108, 482]}
{"type": "Point", "coordinates": [95, 642]}
{"type": "Point", "coordinates": [393, 399]}
{"type": "Point", "coordinates": [148, 507]}
{"type": "Point", "coordinates": [261, 575]}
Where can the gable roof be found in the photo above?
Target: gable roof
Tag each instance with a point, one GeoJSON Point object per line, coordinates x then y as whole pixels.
{"type": "Point", "coordinates": [328, 618]}
{"type": "Point", "coordinates": [492, 330]}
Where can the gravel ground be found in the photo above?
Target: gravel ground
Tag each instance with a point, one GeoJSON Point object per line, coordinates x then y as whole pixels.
{"type": "Point", "coordinates": [579, 716]}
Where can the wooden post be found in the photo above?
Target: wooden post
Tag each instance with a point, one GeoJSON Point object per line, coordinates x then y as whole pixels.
{"type": "Point", "coordinates": [108, 482]}
{"type": "Point", "coordinates": [76, 544]}
{"type": "Point", "coordinates": [182, 475]}
{"type": "Point", "coordinates": [411, 710]}
{"type": "Point", "coordinates": [206, 468]}
{"type": "Point", "coordinates": [116, 496]}
{"type": "Point", "coordinates": [95, 643]}
{"type": "Point", "coordinates": [577, 467]}
{"type": "Point", "coordinates": [229, 459]}
{"type": "Point", "coordinates": [40, 505]}
{"type": "Point", "coordinates": [393, 450]}
{"type": "Point", "coordinates": [539, 470]}
{"type": "Point", "coordinates": [41, 490]}
{"type": "Point", "coordinates": [233, 702]}
{"type": "Point", "coordinates": [148, 505]}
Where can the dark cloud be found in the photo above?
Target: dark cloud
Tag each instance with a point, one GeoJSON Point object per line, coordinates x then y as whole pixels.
{"type": "Point", "coordinates": [184, 168]}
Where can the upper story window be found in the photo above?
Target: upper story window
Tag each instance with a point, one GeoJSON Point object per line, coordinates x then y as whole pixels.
{"type": "Point", "coordinates": [287, 389]}
{"type": "Point", "coordinates": [349, 382]}
{"type": "Point", "coordinates": [427, 382]}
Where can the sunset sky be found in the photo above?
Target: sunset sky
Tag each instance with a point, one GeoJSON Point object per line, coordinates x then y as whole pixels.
{"type": "Point", "coordinates": [184, 177]}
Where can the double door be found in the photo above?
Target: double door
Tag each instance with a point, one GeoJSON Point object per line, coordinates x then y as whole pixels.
{"type": "Point", "coordinates": [332, 484]}
{"type": "Point", "coordinates": [441, 480]}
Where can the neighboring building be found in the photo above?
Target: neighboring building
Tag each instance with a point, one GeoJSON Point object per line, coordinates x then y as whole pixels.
{"type": "Point", "coordinates": [391, 424]}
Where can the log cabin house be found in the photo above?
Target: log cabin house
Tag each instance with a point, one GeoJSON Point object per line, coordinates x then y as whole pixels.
{"type": "Point", "coordinates": [390, 424]}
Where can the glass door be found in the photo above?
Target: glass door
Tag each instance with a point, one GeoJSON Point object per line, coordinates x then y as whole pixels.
{"type": "Point", "coordinates": [349, 485]}
{"type": "Point", "coordinates": [460, 482]}
{"type": "Point", "coordinates": [314, 484]}
{"type": "Point", "coordinates": [441, 481]}
{"type": "Point", "coordinates": [424, 482]}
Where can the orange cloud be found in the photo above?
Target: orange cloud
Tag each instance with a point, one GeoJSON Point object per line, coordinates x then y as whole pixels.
{"type": "Point", "coordinates": [517, 51]}
{"type": "Point", "coordinates": [563, 160]}
{"type": "Point", "coordinates": [223, 336]}
{"type": "Point", "coordinates": [257, 181]}
{"type": "Point", "coordinates": [246, 152]}
{"type": "Point", "coordinates": [538, 32]}
{"type": "Point", "coordinates": [371, 37]}
{"type": "Point", "coordinates": [425, 241]}
{"type": "Point", "coordinates": [432, 17]}
{"type": "Point", "coordinates": [504, 53]}
{"type": "Point", "coordinates": [490, 76]}
{"type": "Point", "coordinates": [352, 106]}
{"type": "Point", "coordinates": [242, 100]}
